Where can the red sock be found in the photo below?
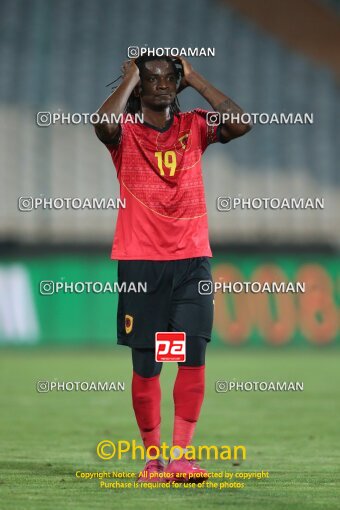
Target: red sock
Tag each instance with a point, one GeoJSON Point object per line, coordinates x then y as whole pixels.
{"type": "Point", "coordinates": [188, 397]}
{"type": "Point", "coordinates": [146, 400]}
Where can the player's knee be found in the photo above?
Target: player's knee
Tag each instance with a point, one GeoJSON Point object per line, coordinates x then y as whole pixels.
{"type": "Point", "coordinates": [144, 363]}
{"type": "Point", "coordinates": [148, 371]}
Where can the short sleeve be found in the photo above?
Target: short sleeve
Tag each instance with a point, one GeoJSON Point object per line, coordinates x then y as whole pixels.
{"type": "Point", "coordinates": [208, 126]}
{"type": "Point", "coordinates": [116, 148]}
{"type": "Point", "coordinates": [117, 141]}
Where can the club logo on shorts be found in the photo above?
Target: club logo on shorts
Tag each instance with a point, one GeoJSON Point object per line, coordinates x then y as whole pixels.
{"type": "Point", "coordinates": [170, 346]}
{"type": "Point", "coordinates": [128, 324]}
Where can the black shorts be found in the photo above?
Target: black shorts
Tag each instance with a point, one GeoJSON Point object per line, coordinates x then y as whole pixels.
{"type": "Point", "coordinates": [172, 301]}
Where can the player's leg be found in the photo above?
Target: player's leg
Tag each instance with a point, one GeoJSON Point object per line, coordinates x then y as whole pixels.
{"type": "Point", "coordinates": [139, 316]}
{"type": "Point", "coordinates": [146, 395]}
{"type": "Point", "coordinates": [146, 399]}
{"type": "Point", "coordinates": [188, 394]}
{"type": "Point", "coordinates": [192, 313]}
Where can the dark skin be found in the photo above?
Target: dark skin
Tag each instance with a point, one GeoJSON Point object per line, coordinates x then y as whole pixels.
{"type": "Point", "coordinates": [157, 89]}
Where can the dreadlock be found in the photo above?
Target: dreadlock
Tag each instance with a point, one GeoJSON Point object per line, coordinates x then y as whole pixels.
{"type": "Point", "coordinates": [133, 104]}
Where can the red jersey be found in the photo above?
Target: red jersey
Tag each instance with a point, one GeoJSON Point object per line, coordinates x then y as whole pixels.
{"type": "Point", "coordinates": [160, 175]}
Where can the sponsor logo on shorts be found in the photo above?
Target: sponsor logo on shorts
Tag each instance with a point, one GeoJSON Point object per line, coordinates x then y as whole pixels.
{"type": "Point", "coordinates": [128, 324]}
{"type": "Point", "coordinates": [170, 346]}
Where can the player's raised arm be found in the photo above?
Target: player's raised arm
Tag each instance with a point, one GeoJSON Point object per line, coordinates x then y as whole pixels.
{"type": "Point", "coordinates": [115, 104]}
{"type": "Point", "coordinates": [231, 127]}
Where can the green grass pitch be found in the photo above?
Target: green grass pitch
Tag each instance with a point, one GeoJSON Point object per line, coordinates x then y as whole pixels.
{"type": "Point", "coordinates": [46, 438]}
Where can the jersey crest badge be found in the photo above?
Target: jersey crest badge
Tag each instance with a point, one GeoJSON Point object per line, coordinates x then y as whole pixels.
{"type": "Point", "coordinates": [183, 141]}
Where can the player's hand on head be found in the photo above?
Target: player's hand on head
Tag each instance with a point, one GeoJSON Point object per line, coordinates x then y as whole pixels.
{"type": "Point", "coordinates": [129, 68]}
{"type": "Point", "coordinates": [187, 70]}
